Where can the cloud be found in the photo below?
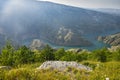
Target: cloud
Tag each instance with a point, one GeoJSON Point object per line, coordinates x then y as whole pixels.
{"type": "Point", "coordinates": [9, 13]}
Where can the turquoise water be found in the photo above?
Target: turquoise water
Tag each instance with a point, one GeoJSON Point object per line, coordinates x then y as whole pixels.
{"type": "Point", "coordinates": [97, 45]}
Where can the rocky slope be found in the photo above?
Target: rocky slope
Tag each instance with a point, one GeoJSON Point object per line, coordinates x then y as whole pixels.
{"type": "Point", "coordinates": [113, 40]}
{"type": "Point", "coordinates": [114, 48]}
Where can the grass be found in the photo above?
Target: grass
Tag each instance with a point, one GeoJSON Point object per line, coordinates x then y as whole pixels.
{"type": "Point", "coordinates": [101, 71]}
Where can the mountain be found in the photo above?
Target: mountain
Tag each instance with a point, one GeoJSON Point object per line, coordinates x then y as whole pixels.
{"type": "Point", "coordinates": [57, 24]}
{"type": "Point", "coordinates": [109, 11]}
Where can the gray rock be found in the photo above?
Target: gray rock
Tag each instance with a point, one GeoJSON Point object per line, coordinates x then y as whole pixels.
{"type": "Point", "coordinates": [114, 48]}
{"type": "Point", "coordinates": [76, 50]}
{"type": "Point", "coordinates": [37, 44]}
{"type": "Point", "coordinates": [62, 65]}
{"type": "Point", "coordinates": [66, 37]}
{"type": "Point", "coordinates": [113, 40]}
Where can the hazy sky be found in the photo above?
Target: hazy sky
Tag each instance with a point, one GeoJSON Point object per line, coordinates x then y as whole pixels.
{"type": "Point", "coordinates": [90, 3]}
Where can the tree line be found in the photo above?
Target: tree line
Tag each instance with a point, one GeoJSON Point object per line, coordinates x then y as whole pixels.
{"type": "Point", "coordinates": [10, 56]}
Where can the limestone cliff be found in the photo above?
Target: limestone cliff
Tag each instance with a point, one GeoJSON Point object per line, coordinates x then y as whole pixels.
{"type": "Point", "coordinates": [113, 40]}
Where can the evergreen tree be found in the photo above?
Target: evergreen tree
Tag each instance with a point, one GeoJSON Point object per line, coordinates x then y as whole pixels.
{"type": "Point", "coordinates": [23, 55]}
{"type": "Point", "coordinates": [7, 54]}
{"type": "Point", "coordinates": [59, 53]}
{"type": "Point", "coordinates": [47, 53]}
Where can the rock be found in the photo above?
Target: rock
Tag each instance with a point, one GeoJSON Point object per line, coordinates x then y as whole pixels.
{"type": "Point", "coordinates": [62, 65]}
{"type": "Point", "coordinates": [77, 50]}
{"type": "Point", "coordinates": [100, 38]}
{"type": "Point", "coordinates": [113, 40]}
{"type": "Point", "coordinates": [37, 44]}
{"type": "Point", "coordinates": [114, 48]}
{"type": "Point", "coordinates": [66, 37]}
{"type": "Point", "coordinates": [5, 67]}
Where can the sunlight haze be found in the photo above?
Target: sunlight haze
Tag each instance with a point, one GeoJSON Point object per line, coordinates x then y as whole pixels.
{"type": "Point", "coordinates": [89, 3]}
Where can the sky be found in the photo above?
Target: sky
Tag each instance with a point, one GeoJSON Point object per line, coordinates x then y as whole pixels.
{"type": "Point", "coordinates": [90, 3]}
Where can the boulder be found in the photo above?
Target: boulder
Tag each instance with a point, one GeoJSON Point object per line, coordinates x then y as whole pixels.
{"type": "Point", "coordinates": [63, 65]}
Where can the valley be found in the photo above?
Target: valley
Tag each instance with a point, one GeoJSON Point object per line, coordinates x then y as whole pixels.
{"type": "Point", "coordinates": [46, 40]}
{"type": "Point", "coordinates": [56, 24]}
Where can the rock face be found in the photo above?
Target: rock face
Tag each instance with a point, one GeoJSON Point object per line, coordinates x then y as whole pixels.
{"type": "Point", "coordinates": [66, 37]}
{"type": "Point", "coordinates": [114, 48]}
{"type": "Point", "coordinates": [62, 65]}
{"type": "Point", "coordinates": [113, 40]}
{"type": "Point", "coordinates": [37, 44]}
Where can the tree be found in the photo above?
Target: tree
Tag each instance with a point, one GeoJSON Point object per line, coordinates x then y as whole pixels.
{"type": "Point", "coordinates": [100, 55]}
{"type": "Point", "coordinates": [23, 55]}
{"type": "Point", "coordinates": [69, 56]}
{"type": "Point", "coordinates": [47, 53]}
{"type": "Point", "coordinates": [82, 56]}
{"type": "Point", "coordinates": [7, 54]}
{"type": "Point", "coordinates": [116, 55]}
{"type": "Point", "coordinates": [59, 53]}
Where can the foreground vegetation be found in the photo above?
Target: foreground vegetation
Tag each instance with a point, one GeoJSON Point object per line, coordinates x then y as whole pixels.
{"type": "Point", "coordinates": [24, 62]}
{"type": "Point", "coordinates": [109, 70]}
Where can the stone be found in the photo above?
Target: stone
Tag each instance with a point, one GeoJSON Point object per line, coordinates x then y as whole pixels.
{"type": "Point", "coordinates": [37, 44]}
{"type": "Point", "coordinates": [63, 65]}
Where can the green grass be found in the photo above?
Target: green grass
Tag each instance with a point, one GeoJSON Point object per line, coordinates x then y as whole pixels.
{"type": "Point", "coordinates": [104, 70]}
{"type": "Point", "coordinates": [29, 72]}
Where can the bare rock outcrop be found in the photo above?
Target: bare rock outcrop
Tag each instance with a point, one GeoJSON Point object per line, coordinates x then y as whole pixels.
{"type": "Point", "coordinates": [67, 37]}
{"type": "Point", "coordinates": [114, 48]}
{"type": "Point", "coordinates": [37, 44]}
{"type": "Point", "coordinates": [113, 40]}
{"type": "Point", "coordinates": [62, 65]}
